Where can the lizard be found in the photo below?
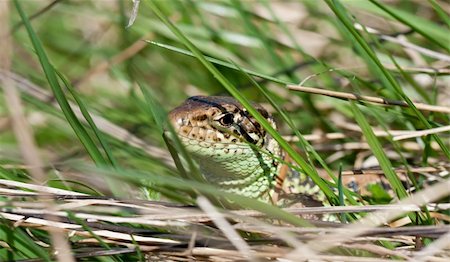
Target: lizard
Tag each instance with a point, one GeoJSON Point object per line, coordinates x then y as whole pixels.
{"type": "Point", "coordinates": [233, 150]}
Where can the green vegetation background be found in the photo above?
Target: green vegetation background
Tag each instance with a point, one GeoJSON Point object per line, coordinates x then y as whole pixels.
{"type": "Point", "coordinates": [83, 52]}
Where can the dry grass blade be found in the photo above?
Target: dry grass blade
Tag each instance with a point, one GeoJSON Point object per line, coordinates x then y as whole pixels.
{"type": "Point", "coordinates": [378, 133]}
{"type": "Point", "coordinates": [382, 251]}
{"type": "Point", "coordinates": [371, 99]}
{"type": "Point", "coordinates": [38, 188]}
{"type": "Point", "coordinates": [422, 133]}
{"type": "Point", "coordinates": [331, 228]}
{"type": "Point", "coordinates": [77, 229]}
{"type": "Point", "coordinates": [429, 169]}
{"type": "Point", "coordinates": [418, 70]}
{"type": "Point", "coordinates": [226, 228]}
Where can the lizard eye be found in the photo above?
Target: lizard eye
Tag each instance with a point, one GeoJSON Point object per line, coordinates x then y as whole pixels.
{"type": "Point", "coordinates": [227, 120]}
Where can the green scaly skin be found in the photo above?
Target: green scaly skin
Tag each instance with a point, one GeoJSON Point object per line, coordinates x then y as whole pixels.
{"type": "Point", "coordinates": [233, 151]}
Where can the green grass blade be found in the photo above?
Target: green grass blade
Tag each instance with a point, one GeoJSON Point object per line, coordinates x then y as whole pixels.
{"type": "Point", "coordinates": [442, 42]}
{"type": "Point", "coordinates": [139, 253]}
{"type": "Point", "coordinates": [219, 62]}
{"type": "Point", "coordinates": [82, 223]}
{"type": "Point", "coordinates": [431, 28]}
{"type": "Point", "coordinates": [5, 174]}
{"type": "Point", "coordinates": [441, 12]}
{"type": "Point", "coordinates": [160, 118]}
{"type": "Point", "coordinates": [78, 128]}
{"type": "Point", "coordinates": [341, 192]}
{"type": "Point", "coordinates": [90, 122]}
{"type": "Point", "coordinates": [378, 151]}
{"type": "Point", "coordinates": [23, 246]}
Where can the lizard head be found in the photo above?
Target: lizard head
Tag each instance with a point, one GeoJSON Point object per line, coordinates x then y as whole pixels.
{"type": "Point", "coordinates": [218, 120]}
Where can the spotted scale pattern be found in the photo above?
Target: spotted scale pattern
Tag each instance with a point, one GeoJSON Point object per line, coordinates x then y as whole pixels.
{"type": "Point", "coordinates": [233, 150]}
